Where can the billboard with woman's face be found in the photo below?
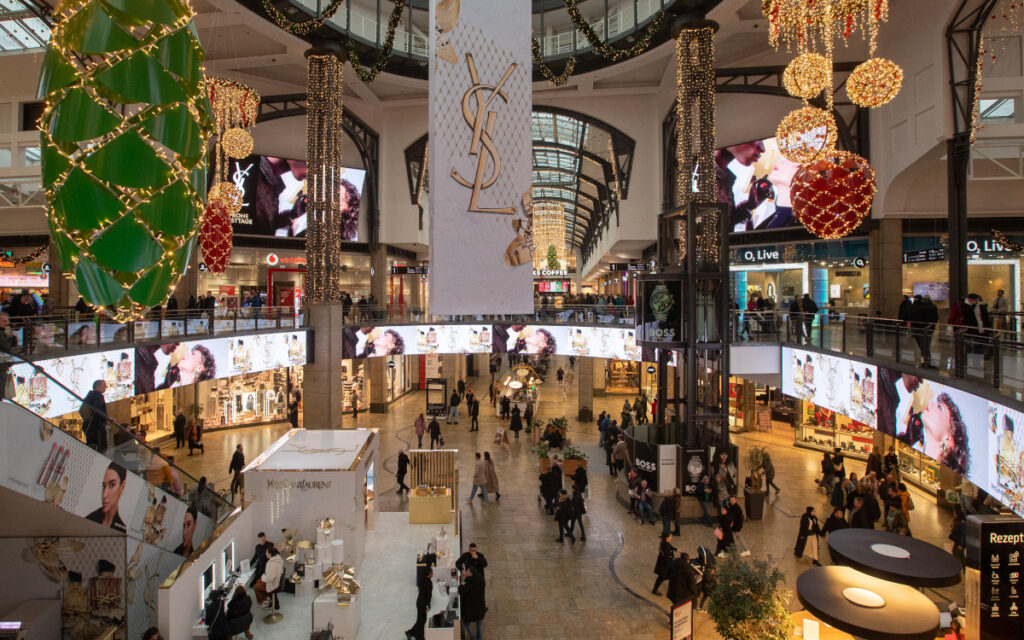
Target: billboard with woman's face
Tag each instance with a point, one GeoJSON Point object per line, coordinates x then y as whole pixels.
{"type": "Point", "coordinates": [275, 193]}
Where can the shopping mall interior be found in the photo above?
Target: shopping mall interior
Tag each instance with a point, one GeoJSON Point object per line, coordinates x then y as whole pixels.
{"type": "Point", "coordinates": [659, 319]}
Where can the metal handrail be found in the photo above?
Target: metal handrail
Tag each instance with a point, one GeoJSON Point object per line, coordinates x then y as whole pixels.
{"type": "Point", "coordinates": [373, 315]}
{"type": "Point", "coordinates": [993, 356]}
{"type": "Point", "coordinates": [122, 434]}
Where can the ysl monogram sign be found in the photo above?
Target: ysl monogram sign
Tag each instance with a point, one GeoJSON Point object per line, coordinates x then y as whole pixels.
{"type": "Point", "coordinates": [481, 119]}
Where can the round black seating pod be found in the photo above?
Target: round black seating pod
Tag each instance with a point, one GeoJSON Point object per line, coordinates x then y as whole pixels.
{"type": "Point", "coordinates": [867, 607]}
{"type": "Point", "coordinates": [891, 556]}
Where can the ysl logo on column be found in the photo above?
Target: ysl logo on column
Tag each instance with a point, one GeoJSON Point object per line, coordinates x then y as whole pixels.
{"type": "Point", "coordinates": [481, 121]}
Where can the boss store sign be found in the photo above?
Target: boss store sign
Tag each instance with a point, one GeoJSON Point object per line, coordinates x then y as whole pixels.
{"type": "Point", "coordinates": [995, 547]}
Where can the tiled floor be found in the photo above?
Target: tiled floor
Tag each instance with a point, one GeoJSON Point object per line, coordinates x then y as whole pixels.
{"type": "Point", "coordinates": [538, 588]}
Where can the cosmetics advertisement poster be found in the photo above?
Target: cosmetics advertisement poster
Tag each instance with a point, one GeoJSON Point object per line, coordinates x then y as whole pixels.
{"type": "Point", "coordinates": [946, 424]}
{"type": "Point", "coordinates": [176, 364]}
{"type": "Point", "coordinates": [531, 339]}
{"type": "Point", "coordinates": [41, 396]}
{"type": "Point", "coordinates": [1005, 456]}
{"type": "Point", "coordinates": [844, 386]}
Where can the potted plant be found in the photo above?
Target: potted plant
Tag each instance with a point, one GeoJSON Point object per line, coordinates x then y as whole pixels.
{"type": "Point", "coordinates": [573, 458]}
{"type": "Point", "coordinates": [750, 601]}
{"type": "Point", "coordinates": [753, 496]}
{"type": "Point", "coordinates": [543, 455]}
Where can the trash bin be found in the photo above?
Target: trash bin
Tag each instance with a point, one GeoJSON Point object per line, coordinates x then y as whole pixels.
{"type": "Point", "coordinates": [585, 415]}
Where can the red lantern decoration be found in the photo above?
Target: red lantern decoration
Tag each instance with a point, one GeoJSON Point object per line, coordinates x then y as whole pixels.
{"type": "Point", "coordinates": [215, 236]}
{"type": "Point", "coordinates": [832, 195]}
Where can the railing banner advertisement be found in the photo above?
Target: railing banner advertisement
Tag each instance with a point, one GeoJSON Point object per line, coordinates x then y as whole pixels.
{"type": "Point", "coordinates": [480, 158]}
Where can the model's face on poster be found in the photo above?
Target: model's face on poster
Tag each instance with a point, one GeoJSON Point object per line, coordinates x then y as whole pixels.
{"type": "Point", "coordinates": [111, 493]}
{"type": "Point", "coordinates": [188, 529]}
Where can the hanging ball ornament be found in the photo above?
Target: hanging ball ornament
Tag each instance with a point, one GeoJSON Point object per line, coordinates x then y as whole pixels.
{"type": "Point", "coordinates": [228, 195]}
{"type": "Point", "coordinates": [807, 75]}
{"type": "Point", "coordinates": [832, 195]}
{"type": "Point", "coordinates": [806, 134]}
{"type": "Point", "coordinates": [874, 82]}
{"type": "Point", "coordinates": [236, 142]}
{"type": "Point", "coordinates": [215, 236]}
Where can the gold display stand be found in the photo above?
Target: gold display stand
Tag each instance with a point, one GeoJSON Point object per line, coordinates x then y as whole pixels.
{"type": "Point", "coordinates": [435, 481]}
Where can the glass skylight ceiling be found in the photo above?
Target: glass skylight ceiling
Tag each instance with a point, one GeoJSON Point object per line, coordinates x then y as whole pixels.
{"type": "Point", "coordinates": [21, 28]}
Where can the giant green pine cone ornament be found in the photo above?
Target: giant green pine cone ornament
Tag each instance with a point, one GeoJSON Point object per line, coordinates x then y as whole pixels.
{"type": "Point", "coordinates": [124, 147]}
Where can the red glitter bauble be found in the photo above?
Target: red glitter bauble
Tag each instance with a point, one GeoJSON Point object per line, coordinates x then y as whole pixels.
{"type": "Point", "coordinates": [215, 236]}
{"type": "Point", "coordinates": [832, 195]}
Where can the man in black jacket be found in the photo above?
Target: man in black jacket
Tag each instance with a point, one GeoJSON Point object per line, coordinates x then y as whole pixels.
{"type": "Point", "coordinates": [94, 416]}
{"type": "Point", "coordinates": [259, 557]}
{"type": "Point", "coordinates": [235, 468]}
{"type": "Point", "coordinates": [453, 408]}
{"type": "Point", "coordinates": [860, 516]}
{"type": "Point", "coordinates": [403, 468]}
{"type": "Point", "coordinates": [550, 483]}
{"type": "Point", "coordinates": [179, 430]}
{"type": "Point", "coordinates": [682, 581]}
{"type": "Point", "coordinates": [425, 588]}
{"type": "Point", "coordinates": [923, 315]}
{"type": "Point", "coordinates": [472, 559]}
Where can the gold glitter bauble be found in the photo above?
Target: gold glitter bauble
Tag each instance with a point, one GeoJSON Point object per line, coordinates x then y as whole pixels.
{"type": "Point", "coordinates": [228, 194]}
{"type": "Point", "coordinates": [874, 82]}
{"type": "Point", "coordinates": [236, 142]}
{"type": "Point", "coordinates": [807, 75]}
{"type": "Point", "coordinates": [806, 134]}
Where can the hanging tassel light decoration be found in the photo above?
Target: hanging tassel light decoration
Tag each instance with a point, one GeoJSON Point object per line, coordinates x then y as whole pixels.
{"type": "Point", "coordinates": [235, 109]}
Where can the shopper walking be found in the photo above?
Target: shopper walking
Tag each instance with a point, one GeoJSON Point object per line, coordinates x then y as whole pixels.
{"type": "Point", "coordinates": [355, 406]}
{"type": "Point", "coordinates": [807, 536]}
{"type": "Point", "coordinates": [424, 588]}
{"type": "Point", "coordinates": [560, 375]}
{"type": "Point", "coordinates": [473, 603]}
{"type": "Point", "coordinates": [434, 428]}
{"type": "Point", "coordinates": [620, 454]}
{"type": "Point", "coordinates": [460, 386]}
{"type": "Point", "coordinates": [550, 485]}
{"type": "Point", "coordinates": [403, 468]}
{"type": "Point", "coordinates": [769, 474]}
{"type": "Point", "coordinates": [506, 406]}
{"type": "Point", "coordinates": [706, 497]}
{"type": "Point", "coordinates": [923, 316]}
{"type": "Point", "coordinates": [179, 430]}
{"type": "Point", "coordinates": [453, 408]}
{"type": "Point", "coordinates": [195, 438]}
{"type": "Point", "coordinates": [235, 468]}
{"type": "Point", "coordinates": [723, 532]}
{"type": "Point", "coordinates": [736, 518]}
{"type": "Point", "coordinates": [516, 423]}
{"type": "Point", "coordinates": [495, 391]}
{"type": "Point", "coordinates": [479, 479]}
{"type": "Point", "coordinates": [94, 416]}
{"type": "Point", "coordinates": [579, 507]}
{"type": "Point", "coordinates": [492, 476]}
{"type": "Point", "coordinates": [667, 510]}
{"type": "Point", "coordinates": [663, 565]}
{"type": "Point", "coordinates": [682, 581]}
{"type": "Point", "coordinates": [564, 513]}
{"type": "Point", "coordinates": [528, 413]}
{"type": "Point", "coordinates": [420, 425]}
{"type": "Point", "coordinates": [473, 406]}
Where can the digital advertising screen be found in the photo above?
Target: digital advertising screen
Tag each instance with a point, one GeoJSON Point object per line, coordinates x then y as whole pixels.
{"type": "Point", "coordinates": [980, 439]}
{"type": "Point", "coordinates": [369, 342]}
{"type": "Point", "coordinates": [274, 197]}
{"type": "Point", "coordinates": [36, 392]}
{"type": "Point", "coordinates": [754, 179]}
{"type": "Point", "coordinates": [844, 386]}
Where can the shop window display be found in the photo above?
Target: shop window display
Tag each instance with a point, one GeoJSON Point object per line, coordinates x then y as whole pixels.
{"type": "Point", "coordinates": [918, 469]}
{"type": "Point", "coordinates": [354, 385]}
{"type": "Point", "coordinates": [623, 376]}
{"type": "Point", "coordinates": [254, 398]}
{"type": "Point", "coordinates": [824, 430]}
{"type": "Point", "coordinates": [395, 378]}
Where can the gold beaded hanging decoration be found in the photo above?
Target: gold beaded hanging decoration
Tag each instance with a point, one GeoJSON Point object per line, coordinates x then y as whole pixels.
{"type": "Point", "coordinates": [874, 82]}
{"type": "Point", "coordinates": [807, 75]}
{"type": "Point", "coordinates": [806, 134]}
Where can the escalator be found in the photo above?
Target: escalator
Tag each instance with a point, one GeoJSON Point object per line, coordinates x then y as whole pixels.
{"type": "Point", "coordinates": [145, 515]}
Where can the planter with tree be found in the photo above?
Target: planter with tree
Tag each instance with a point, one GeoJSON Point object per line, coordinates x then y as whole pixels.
{"type": "Point", "coordinates": [573, 458]}
{"type": "Point", "coordinates": [750, 601]}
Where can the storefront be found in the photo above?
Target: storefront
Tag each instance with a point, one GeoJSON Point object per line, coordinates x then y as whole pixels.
{"type": "Point", "coordinates": [990, 268]}
{"type": "Point", "coordinates": [396, 378]}
{"type": "Point", "coordinates": [246, 400]}
{"type": "Point", "coordinates": [758, 407]}
{"type": "Point", "coordinates": [622, 377]}
{"type": "Point", "coordinates": [829, 271]}
{"type": "Point", "coordinates": [355, 385]}
{"type": "Point", "coordinates": [16, 276]}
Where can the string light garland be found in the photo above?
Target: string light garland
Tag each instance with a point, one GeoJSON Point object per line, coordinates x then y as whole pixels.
{"type": "Point", "coordinates": [695, 142]}
{"type": "Point", "coordinates": [807, 75]}
{"type": "Point", "coordinates": [1006, 243]}
{"type": "Point", "coordinates": [809, 23]}
{"type": "Point", "coordinates": [31, 257]}
{"type": "Point", "coordinates": [874, 82]}
{"type": "Point", "coordinates": [831, 196]}
{"type": "Point", "coordinates": [369, 73]}
{"type": "Point", "coordinates": [306, 26]}
{"type": "Point", "coordinates": [324, 89]}
{"type": "Point", "coordinates": [556, 79]}
{"type": "Point", "coordinates": [606, 51]}
{"type": "Point", "coordinates": [235, 109]}
{"type": "Point", "coordinates": [806, 134]}
{"type": "Point", "coordinates": [123, 136]}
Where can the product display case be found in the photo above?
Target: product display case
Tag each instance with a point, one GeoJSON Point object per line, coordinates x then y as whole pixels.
{"type": "Point", "coordinates": [824, 430]}
{"type": "Point", "coordinates": [918, 469]}
{"type": "Point", "coordinates": [251, 398]}
{"type": "Point", "coordinates": [520, 386]}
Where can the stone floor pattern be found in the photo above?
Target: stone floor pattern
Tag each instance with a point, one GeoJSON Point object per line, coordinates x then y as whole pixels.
{"type": "Point", "coordinates": [538, 588]}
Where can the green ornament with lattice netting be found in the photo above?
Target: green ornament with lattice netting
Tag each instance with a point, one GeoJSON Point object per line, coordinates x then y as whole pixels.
{"type": "Point", "coordinates": [124, 137]}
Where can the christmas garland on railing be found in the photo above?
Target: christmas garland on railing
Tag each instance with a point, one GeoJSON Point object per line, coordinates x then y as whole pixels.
{"type": "Point", "coordinates": [607, 51]}
{"type": "Point", "coordinates": [555, 79]}
{"type": "Point", "coordinates": [1002, 239]}
{"type": "Point", "coordinates": [306, 26]}
{"type": "Point", "coordinates": [370, 73]}
{"type": "Point", "coordinates": [32, 257]}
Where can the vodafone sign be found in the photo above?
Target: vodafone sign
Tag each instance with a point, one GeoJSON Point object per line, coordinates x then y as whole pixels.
{"type": "Point", "coordinates": [273, 260]}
